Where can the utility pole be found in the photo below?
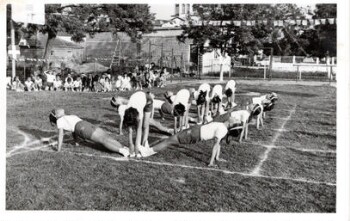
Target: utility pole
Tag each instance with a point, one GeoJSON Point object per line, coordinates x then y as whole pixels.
{"type": "Point", "coordinates": [172, 68]}
{"type": "Point", "coordinates": [270, 69]}
{"type": "Point", "coordinates": [149, 54]}
{"type": "Point", "coordinates": [13, 49]}
{"type": "Point", "coordinates": [161, 57]}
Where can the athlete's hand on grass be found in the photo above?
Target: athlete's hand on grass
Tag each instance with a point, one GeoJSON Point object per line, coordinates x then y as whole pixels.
{"type": "Point", "coordinates": [221, 160]}
{"type": "Point", "coordinates": [212, 165]}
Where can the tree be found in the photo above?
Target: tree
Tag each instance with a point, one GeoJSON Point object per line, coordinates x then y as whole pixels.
{"type": "Point", "coordinates": [327, 34]}
{"type": "Point", "coordinates": [234, 40]}
{"type": "Point", "coordinates": [81, 19]}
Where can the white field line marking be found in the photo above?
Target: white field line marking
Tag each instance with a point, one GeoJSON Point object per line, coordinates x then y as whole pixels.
{"type": "Point", "coordinates": [312, 112]}
{"type": "Point", "coordinates": [320, 133]}
{"type": "Point", "coordinates": [125, 159]}
{"type": "Point", "coordinates": [294, 148]}
{"type": "Point", "coordinates": [29, 149]}
{"type": "Point", "coordinates": [256, 170]}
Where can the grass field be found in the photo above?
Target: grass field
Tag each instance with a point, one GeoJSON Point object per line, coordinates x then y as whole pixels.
{"type": "Point", "coordinates": [288, 166]}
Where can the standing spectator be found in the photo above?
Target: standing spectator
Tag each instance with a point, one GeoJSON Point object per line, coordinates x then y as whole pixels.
{"type": "Point", "coordinates": [147, 82]}
{"type": "Point", "coordinates": [113, 86]}
{"type": "Point", "coordinates": [152, 77]}
{"type": "Point", "coordinates": [94, 81]}
{"type": "Point", "coordinates": [78, 84]}
{"type": "Point", "coordinates": [68, 84]}
{"type": "Point", "coordinates": [89, 81]}
{"type": "Point", "coordinates": [38, 82]}
{"type": "Point", "coordinates": [50, 78]}
{"type": "Point", "coordinates": [57, 84]}
{"type": "Point", "coordinates": [17, 85]}
{"type": "Point", "coordinates": [29, 84]}
{"type": "Point", "coordinates": [126, 83]}
{"type": "Point", "coordinates": [138, 81]}
{"type": "Point", "coordinates": [118, 83]}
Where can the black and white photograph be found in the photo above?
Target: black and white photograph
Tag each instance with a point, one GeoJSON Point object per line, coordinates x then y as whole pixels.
{"type": "Point", "coordinates": [230, 108]}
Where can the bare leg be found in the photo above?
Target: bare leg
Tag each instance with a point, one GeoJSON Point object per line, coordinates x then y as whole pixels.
{"type": "Point", "coordinates": [200, 118]}
{"type": "Point", "coordinates": [101, 137]}
{"type": "Point", "coordinates": [246, 130]}
{"type": "Point", "coordinates": [145, 126]}
{"type": "Point", "coordinates": [165, 143]}
{"type": "Point", "coordinates": [161, 114]}
{"type": "Point", "coordinates": [159, 126]}
{"type": "Point", "coordinates": [175, 125]}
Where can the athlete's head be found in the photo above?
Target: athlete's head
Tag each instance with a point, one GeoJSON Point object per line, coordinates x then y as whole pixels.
{"type": "Point", "coordinates": [228, 92]}
{"type": "Point", "coordinates": [201, 97]}
{"type": "Point", "coordinates": [115, 102]}
{"type": "Point", "coordinates": [55, 114]}
{"type": "Point", "coordinates": [130, 117]}
{"type": "Point", "coordinates": [179, 110]}
{"type": "Point", "coordinates": [216, 99]}
{"type": "Point", "coordinates": [255, 109]}
{"type": "Point", "coordinates": [273, 97]}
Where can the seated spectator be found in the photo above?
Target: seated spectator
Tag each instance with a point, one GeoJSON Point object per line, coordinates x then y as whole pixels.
{"type": "Point", "coordinates": [107, 85]}
{"type": "Point", "coordinates": [17, 85]}
{"type": "Point", "coordinates": [38, 83]}
{"type": "Point", "coordinates": [29, 84]}
{"type": "Point", "coordinates": [162, 80]}
{"type": "Point", "coordinates": [98, 87]}
{"type": "Point", "coordinates": [8, 83]}
{"type": "Point", "coordinates": [78, 84]}
{"type": "Point", "coordinates": [57, 84]}
{"type": "Point", "coordinates": [68, 84]}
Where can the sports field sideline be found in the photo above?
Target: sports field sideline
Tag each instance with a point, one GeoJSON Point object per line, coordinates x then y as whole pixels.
{"type": "Point", "coordinates": [288, 166]}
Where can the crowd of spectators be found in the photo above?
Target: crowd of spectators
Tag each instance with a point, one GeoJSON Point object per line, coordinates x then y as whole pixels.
{"type": "Point", "coordinates": [52, 80]}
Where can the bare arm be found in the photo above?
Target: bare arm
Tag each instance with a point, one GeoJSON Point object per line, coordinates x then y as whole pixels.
{"type": "Point", "coordinates": [60, 139]}
{"type": "Point", "coordinates": [243, 131]}
{"type": "Point", "coordinates": [131, 143]}
{"type": "Point", "coordinates": [175, 125]}
{"type": "Point", "coordinates": [121, 124]}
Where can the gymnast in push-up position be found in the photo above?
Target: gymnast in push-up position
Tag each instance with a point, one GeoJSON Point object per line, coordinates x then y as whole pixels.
{"type": "Point", "coordinates": [266, 103]}
{"type": "Point", "coordinates": [241, 119]}
{"type": "Point", "coordinates": [195, 134]}
{"type": "Point", "coordinates": [84, 130]}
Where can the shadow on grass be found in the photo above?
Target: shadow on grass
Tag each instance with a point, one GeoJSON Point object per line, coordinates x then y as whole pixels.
{"type": "Point", "coordinates": [38, 134]}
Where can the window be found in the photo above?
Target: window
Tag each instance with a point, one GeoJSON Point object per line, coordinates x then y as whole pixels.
{"type": "Point", "coordinates": [183, 9]}
{"type": "Point", "coordinates": [52, 52]}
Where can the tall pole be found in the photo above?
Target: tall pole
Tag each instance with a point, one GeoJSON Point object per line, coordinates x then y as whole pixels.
{"type": "Point", "coordinates": [172, 69]}
{"type": "Point", "coordinates": [182, 64]}
{"type": "Point", "coordinates": [161, 57]}
{"type": "Point", "coordinates": [149, 54]}
{"type": "Point", "coordinates": [198, 63]}
{"type": "Point", "coordinates": [270, 69]}
{"type": "Point", "coordinates": [13, 49]}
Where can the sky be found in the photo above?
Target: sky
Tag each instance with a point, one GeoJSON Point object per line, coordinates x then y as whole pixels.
{"type": "Point", "coordinates": [165, 11]}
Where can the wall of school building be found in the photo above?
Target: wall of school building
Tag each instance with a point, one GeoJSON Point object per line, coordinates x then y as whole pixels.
{"type": "Point", "coordinates": [161, 42]}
